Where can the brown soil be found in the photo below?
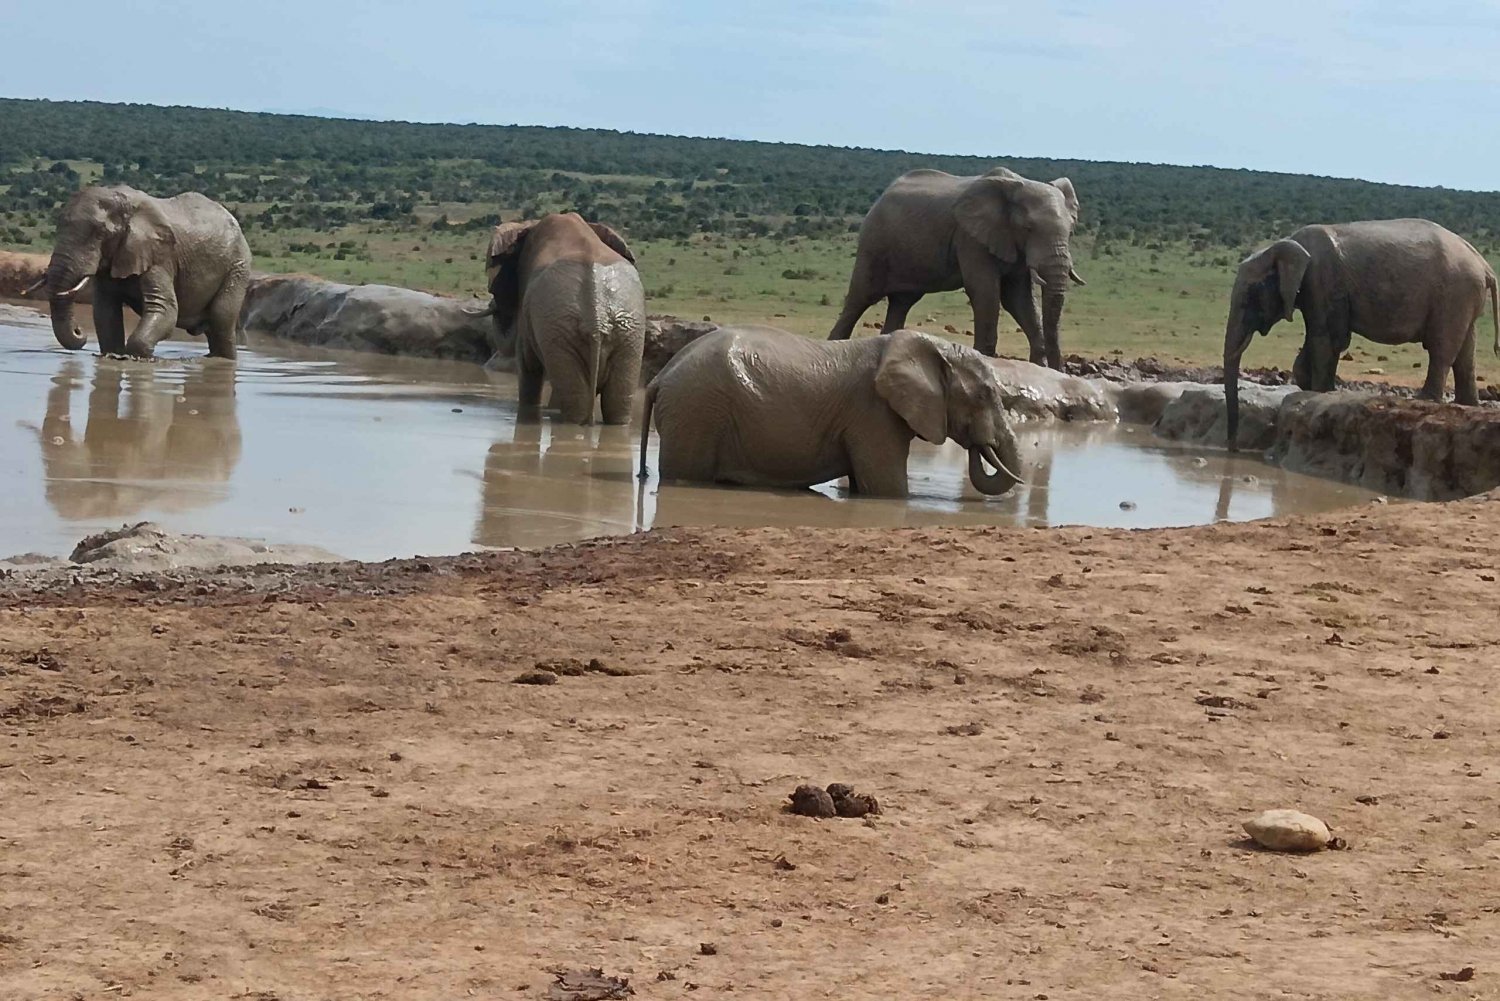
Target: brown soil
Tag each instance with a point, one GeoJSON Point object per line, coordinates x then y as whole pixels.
{"type": "Point", "coordinates": [324, 783]}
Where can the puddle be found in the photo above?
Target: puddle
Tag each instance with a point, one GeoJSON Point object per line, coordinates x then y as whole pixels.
{"type": "Point", "coordinates": [375, 457]}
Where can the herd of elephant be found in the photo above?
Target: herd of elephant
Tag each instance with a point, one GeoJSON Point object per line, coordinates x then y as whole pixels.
{"type": "Point", "coordinates": [759, 406]}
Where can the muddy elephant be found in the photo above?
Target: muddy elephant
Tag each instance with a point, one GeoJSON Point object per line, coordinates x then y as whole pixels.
{"type": "Point", "coordinates": [568, 292]}
{"type": "Point", "coordinates": [177, 262]}
{"type": "Point", "coordinates": [992, 235]}
{"type": "Point", "coordinates": [758, 406]}
{"type": "Point", "coordinates": [146, 442]}
{"type": "Point", "coordinates": [1395, 281]}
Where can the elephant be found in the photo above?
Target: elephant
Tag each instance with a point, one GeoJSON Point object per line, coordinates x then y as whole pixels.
{"type": "Point", "coordinates": [758, 406]}
{"type": "Point", "coordinates": [147, 442]}
{"type": "Point", "coordinates": [991, 235]}
{"type": "Point", "coordinates": [1394, 281]}
{"type": "Point", "coordinates": [568, 293]}
{"type": "Point", "coordinates": [177, 262]}
{"type": "Point", "coordinates": [381, 319]}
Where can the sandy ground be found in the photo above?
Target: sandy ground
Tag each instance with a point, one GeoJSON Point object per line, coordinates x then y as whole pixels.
{"type": "Point", "coordinates": [284, 785]}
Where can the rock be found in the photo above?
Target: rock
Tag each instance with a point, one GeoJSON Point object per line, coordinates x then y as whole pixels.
{"type": "Point", "coordinates": [587, 985]}
{"type": "Point", "coordinates": [1029, 390]}
{"type": "Point", "coordinates": [18, 272]}
{"type": "Point", "coordinates": [1198, 415]}
{"type": "Point", "coordinates": [148, 547]}
{"type": "Point", "coordinates": [810, 801]}
{"type": "Point", "coordinates": [379, 318]}
{"type": "Point", "coordinates": [665, 336]}
{"type": "Point", "coordinates": [1288, 831]}
{"type": "Point", "coordinates": [1144, 402]}
{"type": "Point", "coordinates": [1409, 448]}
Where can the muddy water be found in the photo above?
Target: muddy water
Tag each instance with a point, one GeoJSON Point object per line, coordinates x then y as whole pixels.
{"type": "Point", "coordinates": [375, 457]}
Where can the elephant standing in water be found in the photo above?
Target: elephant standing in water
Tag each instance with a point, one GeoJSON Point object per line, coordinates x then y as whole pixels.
{"type": "Point", "coordinates": [991, 235]}
{"type": "Point", "coordinates": [759, 406]}
{"type": "Point", "coordinates": [177, 262]}
{"type": "Point", "coordinates": [569, 291]}
{"type": "Point", "coordinates": [1396, 281]}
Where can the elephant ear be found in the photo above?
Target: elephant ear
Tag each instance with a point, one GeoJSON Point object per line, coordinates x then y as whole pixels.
{"type": "Point", "coordinates": [1289, 259]}
{"type": "Point", "coordinates": [913, 379]}
{"type": "Point", "coordinates": [146, 240]}
{"type": "Point", "coordinates": [984, 212]}
{"type": "Point", "coordinates": [1070, 197]}
{"type": "Point", "coordinates": [614, 241]}
{"type": "Point", "coordinates": [505, 244]}
{"type": "Point", "coordinates": [503, 274]}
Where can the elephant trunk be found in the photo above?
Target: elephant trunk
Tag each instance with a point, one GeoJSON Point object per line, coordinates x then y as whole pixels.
{"type": "Point", "coordinates": [1054, 274]}
{"type": "Point", "coordinates": [67, 335]}
{"type": "Point", "coordinates": [1236, 340]}
{"type": "Point", "coordinates": [1005, 462]}
{"type": "Point", "coordinates": [61, 282]}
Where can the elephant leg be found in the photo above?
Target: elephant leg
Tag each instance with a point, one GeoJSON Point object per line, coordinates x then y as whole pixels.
{"type": "Point", "coordinates": [898, 305]}
{"type": "Point", "coordinates": [158, 314]}
{"type": "Point", "coordinates": [982, 283]}
{"type": "Point", "coordinates": [568, 372]}
{"type": "Point", "coordinates": [223, 319]}
{"type": "Point", "coordinates": [860, 297]}
{"type": "Point", "coordinates": [109, 322]}
{"type": "Point", "coordinates": [1465, 386]}
{"type": "Point", "coordinates": [529, 371]}
{"type": "Point", "coordinates": [1017, 298]}
{"type": "Point", "coordinates": [622, 376]}
{"type": "Point", "coordinates": [877, 464]}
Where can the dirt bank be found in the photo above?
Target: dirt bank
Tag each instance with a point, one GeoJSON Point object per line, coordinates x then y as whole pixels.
{"type": "Point", "coordinates": [276, 783]}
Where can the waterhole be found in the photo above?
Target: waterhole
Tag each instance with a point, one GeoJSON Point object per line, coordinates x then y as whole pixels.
{"type": "Point", "coordinates": [374, 457]}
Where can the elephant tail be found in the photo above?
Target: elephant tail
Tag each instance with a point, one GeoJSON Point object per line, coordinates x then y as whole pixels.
{"type": "Point", "coordinates": [646, 426]}
{"type": "Point", "coordinates": [1494, 285]}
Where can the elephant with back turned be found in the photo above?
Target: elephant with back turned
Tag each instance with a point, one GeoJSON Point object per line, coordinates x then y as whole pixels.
{"type": "Point", "coordinates": [992, 235]}
{"type": "Point", "coordinates": [758, 406]}
{"type": "Point", "coordinates": [1394, 281]}
{"type": "Point", "coordinates": [177, 262]}
{"type": "Point", "coordinates": [568, 293]}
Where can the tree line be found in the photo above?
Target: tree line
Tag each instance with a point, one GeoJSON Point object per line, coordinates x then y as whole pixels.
{"type": "Point", "coordinates": [296, 171]}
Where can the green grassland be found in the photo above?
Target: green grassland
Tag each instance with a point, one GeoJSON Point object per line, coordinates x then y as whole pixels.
{"type": "Point", "coordinates": [735, 231]}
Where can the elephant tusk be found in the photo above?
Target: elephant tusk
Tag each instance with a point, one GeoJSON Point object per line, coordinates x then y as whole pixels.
{"type": "Point", "coordinates": [1040, 281]}
{"type": "Point", "coordinates": [990, 456]}
{"type": "Point", "coordinates": [481, 313]}
{"type": "Point", "coordinates": [81, 282]}
{"type": "Point", "coordinates": [1077, 280]}
{"type": "Point", "coordinates": [34, 286]}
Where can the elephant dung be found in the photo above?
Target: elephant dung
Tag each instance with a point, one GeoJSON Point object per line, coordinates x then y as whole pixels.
{"type": "Point", "coordinates": [848, 803]}
{"type": "Point", "coordinates": [810, 801]}
{"type": "Point", "coordinates": [1288, 831]}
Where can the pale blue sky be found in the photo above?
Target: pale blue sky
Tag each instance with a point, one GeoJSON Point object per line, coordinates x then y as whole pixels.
{"type": "Point", "coordinates": [1391, 91]}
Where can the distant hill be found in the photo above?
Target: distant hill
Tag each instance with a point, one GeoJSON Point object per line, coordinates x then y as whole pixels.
{"type": "Point", "coordinates": [286, 170]}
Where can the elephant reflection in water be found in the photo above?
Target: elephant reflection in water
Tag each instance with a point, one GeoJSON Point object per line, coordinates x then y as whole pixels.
{"type": "Point", "coordinates": [147, 442]}
{"type": "Point", "coordinates": [577, 485]}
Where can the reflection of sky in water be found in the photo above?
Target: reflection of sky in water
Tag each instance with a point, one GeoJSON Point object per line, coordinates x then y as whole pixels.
{"type": "Point", "coordinates": [374, 457]}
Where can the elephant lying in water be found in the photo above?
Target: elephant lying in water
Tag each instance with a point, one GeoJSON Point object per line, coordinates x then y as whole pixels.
{"type": "Point", "coordinates": [379, 318]}
{"type": "Point", "coordinates": [1395, 281]}
{"type": "Point", "coordinates": [759, 406]}
{"type": "Point", "coordinates": [177, 262]}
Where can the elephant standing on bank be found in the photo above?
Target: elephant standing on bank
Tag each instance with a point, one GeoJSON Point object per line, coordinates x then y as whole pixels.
{"type": "Point", "coordinates": [177, 262]}
{"type": "Point", "coordinates": [569, 292]}
{"type": "Point", "coordinates": [1395, 281]}
{"type": "Point", "coordinates": [759, 406]}
{"type": "Point", "coordinates": [991, 235]}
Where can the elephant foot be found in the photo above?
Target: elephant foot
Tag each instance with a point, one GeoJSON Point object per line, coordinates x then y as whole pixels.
{"type": "Point", "coordinates": [140, 350]}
